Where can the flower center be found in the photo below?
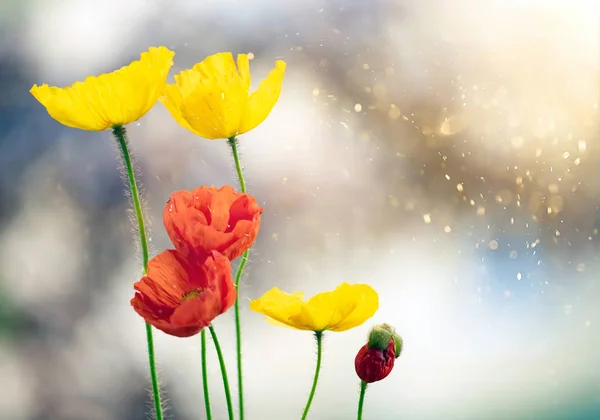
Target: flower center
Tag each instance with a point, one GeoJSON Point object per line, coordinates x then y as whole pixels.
{"type": "Point", "coordinates": [194, 293]}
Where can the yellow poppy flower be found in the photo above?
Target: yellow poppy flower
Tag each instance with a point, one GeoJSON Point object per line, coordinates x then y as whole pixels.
{"type": "Point", "coordinates": [346, 307]}
{"type": "Point", "coordinates": [116, 98]}
{"type": "Point", "coordinates": [213, 100]}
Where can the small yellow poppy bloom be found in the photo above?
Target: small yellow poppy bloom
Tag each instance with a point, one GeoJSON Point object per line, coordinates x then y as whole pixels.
{"type": "Point", "coordinates": [116, 98]}
{"type": "Point", "coordinates": [213, 98]}
{"type": "Point", "coordinates": [346, 307]}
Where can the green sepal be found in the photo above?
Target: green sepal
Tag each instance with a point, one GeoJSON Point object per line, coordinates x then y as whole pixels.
{"type": "Point", "coordinates": [380, 336]}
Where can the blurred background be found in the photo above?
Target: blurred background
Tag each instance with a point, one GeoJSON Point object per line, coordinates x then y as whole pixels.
{"type": "Point", "coordinates": [445, 152]}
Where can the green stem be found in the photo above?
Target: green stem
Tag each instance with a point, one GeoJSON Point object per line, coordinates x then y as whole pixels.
{"type": "Point", "coordinates": [238, 333]}
{"type": "Point", "coordinates": [236, 158]}
{"type": "Point", "coordinates": [361, 400]}
{"type": "Point", "coordinates": [238, 275]}
{"type": "Point", "coordinates": [319, 337]}
{"type": "Point", "coordinates": [205, 374]}
{"type": "Point", "coordinates": [121, 136]}
{"type": "Point", "coordinates": [223, 371]}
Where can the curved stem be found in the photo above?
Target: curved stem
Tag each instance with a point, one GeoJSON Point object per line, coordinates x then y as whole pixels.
{"type": "Point", "coordinates": [223, 371]}
{"type": "Point", "coordinates": [361, 400]}
{"type": "Point", "coordinates": [319, 337]}
{"type": "Point", "coordinates": [121, 136]}
{"type": "Point", "coordinates": [238, 275]}
{"type": "Point", "coordinates": [205, 374]}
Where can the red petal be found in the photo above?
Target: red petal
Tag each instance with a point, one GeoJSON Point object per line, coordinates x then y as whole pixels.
{"type": "Point", "coordinates": [198, 311]}
{"type": "Point", "coordinates": [167, 279]}
{"type": "Point", "coordinates": [373, 364]}
{"type": "Point", "coordinates": [210, 219]}
{"type": "Point", "coordinates": [244, 208]}
{"type": "Point", "coordinates": [221, 201]}
{"type": "Point", "coordinates": [148, 309]}
{"type": "Point", "coordinates": [178, 331]}
{"type": "Point", "coordinates": [163, 296]}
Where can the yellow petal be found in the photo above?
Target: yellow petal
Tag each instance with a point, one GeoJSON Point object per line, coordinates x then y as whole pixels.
{"type": "Point", "coordinates": [359, 301]}
{"type": "Point", "coordinates": [262, 101]}
{"type": "Point", "coordinates": [326, 309]}
{"type": "Point", "coordinates": [172, 101]}
{"type": "Point", "coordinates": [279, 306]}
{"type": "Point", "coordinates": [346, 307]}
{"type": "Point", "coordinates": [66, 107]}
{"type": "Point", "coordinates": [278, 324]}
{"type": "Point", "coordinates": [216, 65]}
{"type": "Point", "coordinates": [243, 66]}
{"type": "Point", "coordinates": [134, 89]}
{"type": "Point", "coordinates": [187, 80]}
{"type": "Point", "coordinates": [186, 83]}
{"type": "Point", "coordinates": [215, 105]}
{"type": "Point", "coordinates": [120, 97]}
{"type": "Point", "coordinates": [311, 319]}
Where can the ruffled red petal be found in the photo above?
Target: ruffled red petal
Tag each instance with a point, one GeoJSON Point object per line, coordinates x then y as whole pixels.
{"type": "Point", "coordinates": [209, 219]}
{"type": "Point", "coordinates": [181, 294]}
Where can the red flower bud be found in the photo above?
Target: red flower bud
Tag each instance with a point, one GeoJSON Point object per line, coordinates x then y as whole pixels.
{"type": "Point", "coordinates": [373, 364]}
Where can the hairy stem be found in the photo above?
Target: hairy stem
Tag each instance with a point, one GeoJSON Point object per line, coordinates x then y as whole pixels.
{"type": "Point", "coordinates": [223, 371]}
{"type": "Point", "coordinates": [319, 338]}
{"type": "Point", "coordinates": [361, 400]}
{"type": "Point", "coordinates": [121, 137]}
{"type": "Point", "coordinates": [205, 374]}
{"type": "Point", "coordinates": [238, 275]}
{"type": "Point", "coordinates": [238, 166]}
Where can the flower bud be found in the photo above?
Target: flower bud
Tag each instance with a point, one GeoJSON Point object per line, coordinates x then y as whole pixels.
{"type": "Point", "coordinates": [373, 364]}
{"type": "Point", "coordinates": [380, 336]}
{"type": "Point", "coordinates": [375, 360]}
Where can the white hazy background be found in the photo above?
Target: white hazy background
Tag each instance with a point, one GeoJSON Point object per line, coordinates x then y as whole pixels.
{"type": "Point", "coordinates": [445, 152]}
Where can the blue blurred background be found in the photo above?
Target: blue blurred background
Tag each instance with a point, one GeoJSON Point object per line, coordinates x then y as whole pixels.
{"type": "Point", "coordinates": [446, 152]}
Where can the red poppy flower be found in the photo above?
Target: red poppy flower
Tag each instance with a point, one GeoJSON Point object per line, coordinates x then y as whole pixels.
{"type": "Point", "coordinates": [181, 295]}
{"type": "Point", "coordinates": [210, 219]}
{"type": "Point", "coordinates": [374, 364]}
